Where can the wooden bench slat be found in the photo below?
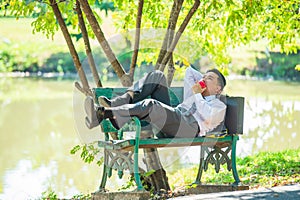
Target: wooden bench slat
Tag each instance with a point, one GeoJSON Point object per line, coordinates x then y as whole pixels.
{"type": "Point", "coordinates": [116, 144]}
{"type": "Point", "coordinates": [165, 142]}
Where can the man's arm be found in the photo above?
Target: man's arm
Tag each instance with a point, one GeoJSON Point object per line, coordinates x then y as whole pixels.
{"type": "Point", "coordinates": [191, 77]}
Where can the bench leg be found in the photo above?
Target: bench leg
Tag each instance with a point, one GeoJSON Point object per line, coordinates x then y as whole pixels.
{"type": "Point", "coordinates": [233, 161]}
{"type": "Point", "coordinates": [219, 159]}
{"type": "Point", "coordinates": [137, 174]}
{"type": "Point", "coordinates": [104, 174]}
{"type": "Point", "coordinates": [136, 155]}
{"type": "Point", "coordinates": [201, 167]}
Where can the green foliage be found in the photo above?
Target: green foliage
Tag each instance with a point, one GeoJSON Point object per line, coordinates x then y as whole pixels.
{"type": "Point", "coordinates": [129, 184]}
{"type": "Point", "coordinates": [24, 59]}
{"type": "Point", "coordinates": [264, 169]}
{"type": "Point", "coordinates": [271, 168]}
{"type": "Point", "coordinates": [105, 5]}
{"type": "Point", "coordinates": [46, 24]}
{"type": "Point", "coordinates": [16, 61]}
{"type": "Point", "coordinates": [218, 25]}
{"type": "Point", "coordinates": [45, 21]}
{"type": "Point", "coordinates": [49, 195]}
{"type": "Point", "coordinates": [5, 61]}
{"type": "Point", "coordinates": [19, 8]}
{"type": "Point", "coordinates": [82, 196]}
{"type": "Point", "coordinates": [149, 173]}
{"type": "Point", "coordinates": [88, 153]}
{"type": "Point", "coordinates": [278, 65]}
{"type": "Point", "coordinates": [215, 27]}
{"type": "Point", "coordinates": [60, 62]}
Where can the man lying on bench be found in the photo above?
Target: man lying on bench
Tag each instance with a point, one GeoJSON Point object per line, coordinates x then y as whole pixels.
{"type": "Point", "coordinates": [200, 112]}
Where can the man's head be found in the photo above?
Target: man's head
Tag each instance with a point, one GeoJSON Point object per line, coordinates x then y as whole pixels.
{"type": "Point", "coordinates": [215, 82]}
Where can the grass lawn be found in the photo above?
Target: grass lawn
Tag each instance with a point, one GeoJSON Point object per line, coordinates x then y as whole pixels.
{"type": "Point", "coordinates": [264, 169]}
{"type": "Point", "coordinates": [17, 38]}
{"type": "Point", "coordinates": [261, 170]}
{"type": "Point", "coordinates": [20, 31]}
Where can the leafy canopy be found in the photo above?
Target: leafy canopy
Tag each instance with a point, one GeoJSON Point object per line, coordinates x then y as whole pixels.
{"type": "Point", "coordinates": [216, 26]}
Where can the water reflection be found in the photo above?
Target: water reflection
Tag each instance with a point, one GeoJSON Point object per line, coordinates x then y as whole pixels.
{"type": "Point", "coordinates": [37, 130]}
{"type": "Point", "coordinates": [37, 133]}
{"type": "Point", "coordinates": [271, 126]}
{"type": "Point", "coordinates": [25, 180]}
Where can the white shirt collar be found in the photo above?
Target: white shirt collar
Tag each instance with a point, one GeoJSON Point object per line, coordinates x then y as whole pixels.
{"type": "Point", "coordinates": [210, 98]}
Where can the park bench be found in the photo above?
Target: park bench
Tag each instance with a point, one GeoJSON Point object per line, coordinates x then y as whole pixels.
{"type": "Point", "coordinates": [218, 148]}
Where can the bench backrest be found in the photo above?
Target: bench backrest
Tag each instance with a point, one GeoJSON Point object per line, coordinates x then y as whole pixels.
{"type": "Point", "coordinates": [234, 118]}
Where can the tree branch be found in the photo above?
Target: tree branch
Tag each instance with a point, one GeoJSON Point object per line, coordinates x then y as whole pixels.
{"type": "Point", "coordinates": [125, 80]}
{"type": "Point", "coordinates": [174, 14]}
{"type": "Point", "coordinates": [73, 52]}
{"type": "Point", "coordinates": [137, 38]}
{"type": "Point", "coordinates": [88, 50]}
{"type": "Point", "coordinates": [178, 34]}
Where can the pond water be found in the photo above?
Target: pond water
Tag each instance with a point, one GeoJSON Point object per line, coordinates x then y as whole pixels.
{"type": "Point", "coordinates": [41, 120]}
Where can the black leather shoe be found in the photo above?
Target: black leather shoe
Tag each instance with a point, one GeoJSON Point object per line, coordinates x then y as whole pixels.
{"type": "Point", "coordinates": [161, 135]}
{"type": "Point", "coordinates": [94, 114]}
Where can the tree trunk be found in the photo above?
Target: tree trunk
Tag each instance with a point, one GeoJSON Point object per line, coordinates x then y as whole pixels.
{"type": "Point", "coordinates": [88, 50]}
{"type": "Point", "coordinates": [174, 14]}
{"type": "Point", "coordinates": [171, 71]}
{"type": "Point", "coordinates": [125, 79]}
{"type": "Point", "coordinates": [178, 34]}
{"type": "Point", "coordinates": [158, 179]}
{"type": "Point", "coordinates": [137, 38]}
{"type": "Point", "coordinates": [85, 86]}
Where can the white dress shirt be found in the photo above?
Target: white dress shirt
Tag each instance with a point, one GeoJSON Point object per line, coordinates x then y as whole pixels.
{"type": "Point", "coordinates": [209, 111]}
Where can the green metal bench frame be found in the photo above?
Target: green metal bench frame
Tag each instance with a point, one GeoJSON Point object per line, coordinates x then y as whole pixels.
{"type": "Point", "coordinates": [122, 154]}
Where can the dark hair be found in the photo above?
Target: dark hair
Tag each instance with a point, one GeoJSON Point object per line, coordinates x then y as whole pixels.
{"type": "Point", "coordinates": [221, 77]}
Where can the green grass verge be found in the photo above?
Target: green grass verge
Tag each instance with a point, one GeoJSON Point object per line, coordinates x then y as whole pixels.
{"type": "Point", "coordinates": [264, 169]}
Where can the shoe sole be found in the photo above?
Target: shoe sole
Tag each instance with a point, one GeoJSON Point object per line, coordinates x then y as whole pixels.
{"type": "Point", "coordinates": [91, 120]}
{"type": "Point", "coordinates": [89, 107]}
